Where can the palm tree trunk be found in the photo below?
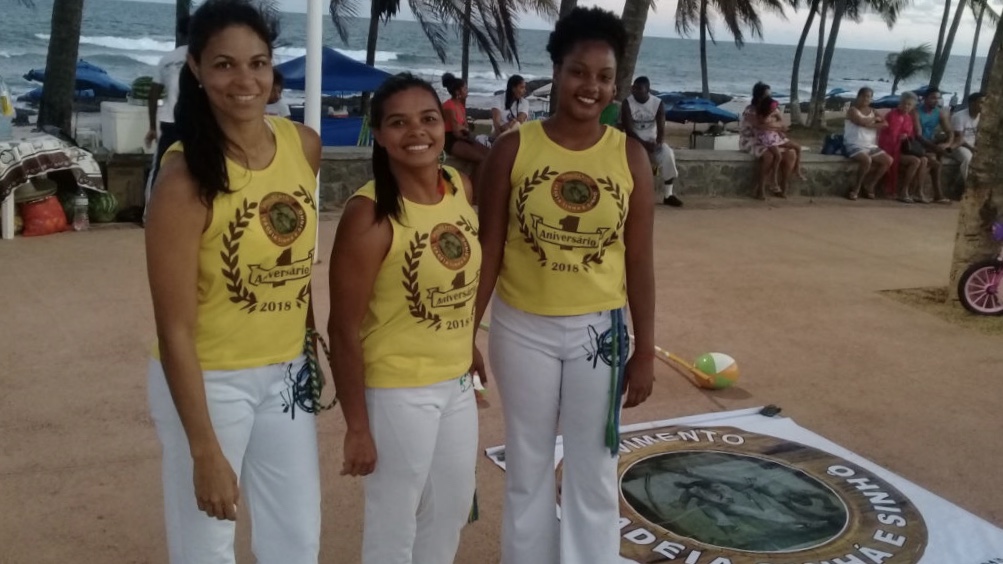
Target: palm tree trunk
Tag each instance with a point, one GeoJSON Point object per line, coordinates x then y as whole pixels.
{"type": "Point", "coordinates": [981, 204]}
{"type": "Point", "coordinates": [975, 49]}
{"type": "Point", "coordinates": [56, 107]}
{"type": "Point", "coordinates": [994, 48]}
{"type": "Point", "coordinates": [374, 35]}
{"type": "Point", "coordinates": [819, 52]}
{"type": "Point", "coordinates": [703, 50]}
{"type": "Point", "coordinates": [181, 8]}
{"type": "Point", "coordinates": [940, 65]}
{"type": "Point", "coordinates": [895, 85]}
{"type": "Point", "coordinates": [795, 78]}
{"type": "Point", "coordinates": [839, 9]}
{"type": "Point", "coordinates": [468, 6]}
{"type": "Point", "coordinates": [567, 6]}
{"type": "Point", "coordinates": [635, 16]}
{"type": "Point", "coordinates": [943, 30]}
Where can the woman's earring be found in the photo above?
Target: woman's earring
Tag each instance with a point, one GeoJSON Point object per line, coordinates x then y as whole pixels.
{"type": "Point", "coordinates": [200, 86]}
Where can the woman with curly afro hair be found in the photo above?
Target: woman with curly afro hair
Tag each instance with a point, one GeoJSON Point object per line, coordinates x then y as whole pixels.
{"type": "Point", "coordinates": [566, 234]}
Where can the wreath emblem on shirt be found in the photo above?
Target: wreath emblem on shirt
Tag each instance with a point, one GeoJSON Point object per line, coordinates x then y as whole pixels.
{"type": "Point", "coordinates": [528, 185]}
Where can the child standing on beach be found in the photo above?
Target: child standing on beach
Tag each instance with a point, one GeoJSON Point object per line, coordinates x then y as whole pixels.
{"type": "Point", "coordinates": [773, 138]}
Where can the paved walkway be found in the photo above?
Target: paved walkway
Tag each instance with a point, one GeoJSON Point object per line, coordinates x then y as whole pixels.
{"type": "Point", "coordinates": [789, 291]}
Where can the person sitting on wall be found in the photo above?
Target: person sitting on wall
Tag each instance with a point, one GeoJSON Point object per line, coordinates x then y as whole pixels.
{"type": "Point", "coordinates": [643, 118]}
{"type": "Point", "coordinates": [965, 124]}
{"type": "Point", "coordinates": [931, 116]}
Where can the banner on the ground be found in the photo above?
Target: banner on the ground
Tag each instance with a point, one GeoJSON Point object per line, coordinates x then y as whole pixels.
{"type": "Point", "coordinates": [742, 488]}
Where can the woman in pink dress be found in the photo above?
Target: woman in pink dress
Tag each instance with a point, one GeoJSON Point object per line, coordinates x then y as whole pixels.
{"type": "Point", "coordinates": [748, 141]}
{"type": "Point", "coordinates": [901, 128]}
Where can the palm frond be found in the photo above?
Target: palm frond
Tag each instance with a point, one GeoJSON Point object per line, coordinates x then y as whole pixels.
{"type": "Point", "coordinates": [687, 16]}
{"type": "Point", "coordinates": [992, 15]}
{"type": "Point", "coordinates": [548, 9]}
{"type": "Point", "coordinates": [428, 14]}
{"type": "Point", "coordinates": [25, 3]}
{"type": "Point", "coordinates": [909, 62]}
{"type": "Point", "coordinates": [342, 10]}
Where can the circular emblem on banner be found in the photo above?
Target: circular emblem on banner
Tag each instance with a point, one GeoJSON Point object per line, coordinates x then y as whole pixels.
{"type": "Point", "coordinates": [575, 192]}
{"type": "Point", "coordinates": [282, 217]}
{"type": "Point", "coordinates": [449, 246]}
{"type": "Point", "coordinates": [723, 495]}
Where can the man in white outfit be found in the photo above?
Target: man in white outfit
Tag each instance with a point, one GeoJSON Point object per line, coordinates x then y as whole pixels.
{"type": "Point", "coordinates": [965, 124]}
{"type": "Point", "coordinates": [643, 118]}
{"type": "Point", "coordinates": [162, 130]}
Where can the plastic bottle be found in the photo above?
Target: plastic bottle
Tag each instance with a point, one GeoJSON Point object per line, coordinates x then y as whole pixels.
{"type": "Point", "coordinates": [81, 219]}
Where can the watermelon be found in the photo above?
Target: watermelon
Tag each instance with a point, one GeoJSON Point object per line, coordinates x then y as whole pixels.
{"type": "Point", "coordinates": [102, 207]}
{"type": "Point", "coordinates": [66, 199]}
{"type": "Point", "coordinates": [141, 88]}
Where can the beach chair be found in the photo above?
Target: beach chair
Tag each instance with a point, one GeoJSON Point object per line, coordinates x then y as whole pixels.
{"type": "Point", "coordinates": [365, 134]}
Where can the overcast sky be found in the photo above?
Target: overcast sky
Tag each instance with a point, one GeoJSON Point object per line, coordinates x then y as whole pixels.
{"type": "Point", "coordinates": [918, 24]}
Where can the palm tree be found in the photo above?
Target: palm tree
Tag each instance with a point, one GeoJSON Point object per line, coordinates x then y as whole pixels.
{"type": "Point", "coordinates": [56, 107]}
{"type": "Point", "coordinates": [983, 199]}
{"type": "Point", "coordinates": [888, 10]}
{"type": "Point", "coordinates": [795, 104]}
{"type": "Point", "coordinates": [994, 49]}
{"type": "Point", "coordinates": [819, 52]}
{"type": "Point", "coordinates": [980, 8]}
{"type": "Point", "coordinates": [907, 63]}
{"type": "Point", "coordinates": [491, 24]}
{"type": "Point", "coordinates": [634, 17]}
{"type": "Point", "coordinates": [943, 29]}
{"type": "Point", "coordinates": [470, 23]}
{"type": "Point", "coordinates": [940, 63]}
{"type": "Point", "coordinates": [738, 16]}
{"type": "Point", "coordinates": [181, 8]}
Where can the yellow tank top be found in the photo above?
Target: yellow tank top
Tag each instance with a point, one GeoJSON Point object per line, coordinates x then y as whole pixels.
{"type": "Point", "coordinates": [420, 325]}
{"type": "Point", "coordinates": [255, 261]}
{"type": "Point", "coordinates": [564, 252]}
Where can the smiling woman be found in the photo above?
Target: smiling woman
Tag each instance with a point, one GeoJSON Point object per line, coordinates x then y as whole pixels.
{"type": "Point", "coordinates": [229, 243]}
{"type": "Point", "coordinates": [404, 274]}
{"type": "Point", "coordinates": [566, 228]}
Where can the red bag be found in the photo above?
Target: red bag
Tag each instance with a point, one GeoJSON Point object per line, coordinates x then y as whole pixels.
{"type": "Point", "coordinates": [43, 217]}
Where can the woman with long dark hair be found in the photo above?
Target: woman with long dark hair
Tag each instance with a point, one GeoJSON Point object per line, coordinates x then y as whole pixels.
{"type": "Point", "coordinates": [404, 275]}
{"type": "Point", "coordinates": [459, 141]}
{"type": "Point", "coordinates": [229, 241]}
{"type": "Point", "coordinates": [512, 109]}
{"type": "Point", "coordinates": [566, 229]}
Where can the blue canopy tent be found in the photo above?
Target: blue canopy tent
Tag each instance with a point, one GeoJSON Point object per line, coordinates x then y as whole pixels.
{"type": "Point", "coordinates": [339, 74]}
{"type": "Point", "coordinates": [89, 77]}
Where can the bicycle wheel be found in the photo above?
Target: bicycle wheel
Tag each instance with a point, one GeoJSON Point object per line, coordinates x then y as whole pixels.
{"type": "Point", "coordinates": [980, 288]}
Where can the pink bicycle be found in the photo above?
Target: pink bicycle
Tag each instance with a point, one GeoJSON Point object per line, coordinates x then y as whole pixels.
{"type": "Point", "coordinates": [979, 288]}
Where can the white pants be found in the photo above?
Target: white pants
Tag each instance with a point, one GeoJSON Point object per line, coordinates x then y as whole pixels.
{"type": "Point", "coordinates": [964, 158]}
{"type": "Point", "coordinates": [665, 159]}
{"type": "Point", "coordinates": [550, 370]}
{"type": "Point", "coordinates": [271, 445]}
{"type": "Point", "coordinates": [420, 495]}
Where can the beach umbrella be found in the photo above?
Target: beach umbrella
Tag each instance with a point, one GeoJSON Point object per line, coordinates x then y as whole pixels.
{"type": "Point", "coordinates": [543, 91]}
{"type": "Point", "coordinates": [838, 93]}
{"type": "Point", "coordinates": [670, 98]}
{"type": "Point", "coordinates": [698, 111]}
{"type": "Point", "coordinates": [89, 77]}
{"type": "Point", "coordinates": [886, 102]}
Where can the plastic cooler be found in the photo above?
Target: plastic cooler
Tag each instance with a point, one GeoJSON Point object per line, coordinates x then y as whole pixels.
{"type": "Point", "coordinates": [124, 127]}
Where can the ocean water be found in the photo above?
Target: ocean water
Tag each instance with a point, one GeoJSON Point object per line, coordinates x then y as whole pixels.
{"type": "Point", "coordinates": [128, 38]}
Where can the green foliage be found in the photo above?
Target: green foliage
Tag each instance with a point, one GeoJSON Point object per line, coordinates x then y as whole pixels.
{"type": "Point", "coordinates": [909, 62]}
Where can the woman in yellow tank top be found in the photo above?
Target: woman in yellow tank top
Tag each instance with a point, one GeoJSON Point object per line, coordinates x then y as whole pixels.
{"type": "Point", "coordinates": [404, 274]}
{"type": "Point", "coordinates": [566, 229]}
{"type": "Point", "coordinates": [230, 240]}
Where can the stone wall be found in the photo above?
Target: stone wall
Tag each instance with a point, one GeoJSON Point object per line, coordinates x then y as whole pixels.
{"type": "Point", "coordinates": [722, 174]}
{"type": "Point", "coordinates": [734, 174]}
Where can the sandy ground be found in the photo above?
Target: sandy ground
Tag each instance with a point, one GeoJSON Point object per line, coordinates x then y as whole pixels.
{"type": "Point", "coordinates": [791, 291]}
